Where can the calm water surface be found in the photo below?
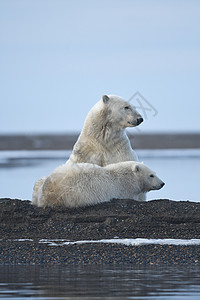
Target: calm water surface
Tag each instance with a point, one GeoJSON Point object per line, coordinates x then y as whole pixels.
{"type": "Point", "coordinates": [63, 282]}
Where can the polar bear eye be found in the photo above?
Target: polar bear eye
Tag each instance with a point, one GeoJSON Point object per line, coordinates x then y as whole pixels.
{"type": "Point", "coordinates": [152, 175]}
{"type": "Point", "coordinates": [126, 107]}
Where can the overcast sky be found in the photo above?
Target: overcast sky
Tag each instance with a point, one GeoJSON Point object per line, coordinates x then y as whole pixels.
{"type": "Point", "coordinates": [57, 57]}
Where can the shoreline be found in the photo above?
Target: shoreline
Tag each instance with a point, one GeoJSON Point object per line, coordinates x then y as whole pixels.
{"type": "Point", "coordinates": [155, 219]}
{"type": "Point", "coordinates": [65, 141]}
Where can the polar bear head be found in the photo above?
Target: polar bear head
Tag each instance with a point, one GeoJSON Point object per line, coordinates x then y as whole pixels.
{"type": "Point", "coordinates": [146, 178]}
{"type": "Point", "coordinates": [120, 111]}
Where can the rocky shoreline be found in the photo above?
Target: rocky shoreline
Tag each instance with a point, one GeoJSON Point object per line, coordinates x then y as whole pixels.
{"type": "Point", "coordinates": [23, 226]}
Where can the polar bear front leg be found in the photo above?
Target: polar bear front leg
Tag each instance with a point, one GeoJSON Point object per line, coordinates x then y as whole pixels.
{"type": "Point", "coordinates": [142, 197]}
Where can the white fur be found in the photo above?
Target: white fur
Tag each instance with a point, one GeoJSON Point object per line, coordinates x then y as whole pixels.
{"type": "Point", "coordinates": [103, 139]}
{"type": "Point", "coordinates": [83, 184]}
{"type": "Point", "coordinates": [37, 190]}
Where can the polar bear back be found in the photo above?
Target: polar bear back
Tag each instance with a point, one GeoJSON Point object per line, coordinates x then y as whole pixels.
{"type": "Point", "coordinates": [76, 185]}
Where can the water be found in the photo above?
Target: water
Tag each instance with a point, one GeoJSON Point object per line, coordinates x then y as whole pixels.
{"type": "Point", "coordinates": [179, 169]}
{"type": "Point", "coordinates": [99, 282]}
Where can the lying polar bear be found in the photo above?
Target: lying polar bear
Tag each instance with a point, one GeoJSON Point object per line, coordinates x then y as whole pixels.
{"type": "Point", "coordinates": [85, 184]}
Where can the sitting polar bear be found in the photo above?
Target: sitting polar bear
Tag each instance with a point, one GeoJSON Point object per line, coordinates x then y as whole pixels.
{"type": "Point", "coordinates": [103, 139]}
{"type": "Point", "coordinates": [85, 184]}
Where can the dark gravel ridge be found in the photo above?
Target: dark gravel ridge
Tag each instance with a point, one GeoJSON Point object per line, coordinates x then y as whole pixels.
{"type": "Point", "coordinates": [122, 218]}
{"type": "Point", "coordinates": [118, 218]}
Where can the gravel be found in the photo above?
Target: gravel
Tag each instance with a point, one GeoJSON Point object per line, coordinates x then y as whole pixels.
{"type": "Point", "coordinates": [156, 219]}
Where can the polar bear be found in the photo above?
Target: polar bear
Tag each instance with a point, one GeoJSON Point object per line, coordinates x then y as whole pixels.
{"type": "Point", "coordinates": [103, 139]}
{"type": "Point", "coordinates": [85, 184]}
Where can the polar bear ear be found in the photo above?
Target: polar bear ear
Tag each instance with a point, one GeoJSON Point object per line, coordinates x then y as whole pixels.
{"type": "Point", "coordinates": [105, 99]}
{"type": "Point", "coordinates": [137, 168]}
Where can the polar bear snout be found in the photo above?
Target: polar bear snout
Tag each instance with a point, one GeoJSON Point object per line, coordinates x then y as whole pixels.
{"type": "Point", "coordinates": [160, 186]}
{"type": "Point", "coordinates": [136, 122]}
{"type": "Point", "coordinates": [139, 120]}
